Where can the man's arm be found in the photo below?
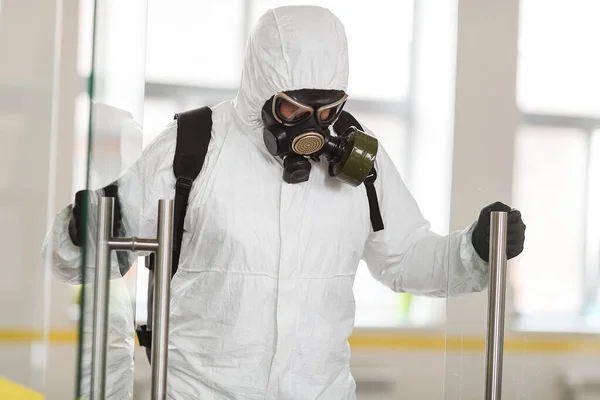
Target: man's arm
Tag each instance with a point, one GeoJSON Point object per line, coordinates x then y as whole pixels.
{"type": "Point", "coordinates": [139, 189]}
{"type": "Point", "coordinates": [407, 257]}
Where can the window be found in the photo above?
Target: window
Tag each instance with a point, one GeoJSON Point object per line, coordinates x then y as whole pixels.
{"type": "Point", "coordinates": [593, 229]}
{"type": "Point", "coordinates": [186, 67]}
{"type": "Point", "coordinates": [550, 186]}
{"type": "Point", "coordinates": [374, 74]}
{"type": "Point", "coordinates": [195, 43]}
{"type": "Point", "coordinates": [557, 158]}
{"type": "Point", "coordinates": [558, 67]}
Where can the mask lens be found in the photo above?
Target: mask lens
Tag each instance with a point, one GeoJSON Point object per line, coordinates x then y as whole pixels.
{"type": "Point", "coordinates": [328, 114]}
{"type": "Point", "coordinates": [289, 112]}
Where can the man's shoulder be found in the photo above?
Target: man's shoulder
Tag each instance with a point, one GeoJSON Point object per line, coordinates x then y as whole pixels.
{"type": "Point", "coordinates": [164, 144]}
{"type": "Point", "coordinates": [221, 116]}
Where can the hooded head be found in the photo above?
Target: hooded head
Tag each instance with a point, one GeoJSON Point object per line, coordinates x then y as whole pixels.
{"type": "Point", "coordinates": [291, 48]}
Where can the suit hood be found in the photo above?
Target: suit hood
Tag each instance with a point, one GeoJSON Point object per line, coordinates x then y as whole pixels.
{"type": "Point", "coordinates": [290, 48]}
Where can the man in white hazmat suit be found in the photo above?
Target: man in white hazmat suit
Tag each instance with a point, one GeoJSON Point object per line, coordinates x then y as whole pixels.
{"type": "Point", "coordinates": [262, 302]}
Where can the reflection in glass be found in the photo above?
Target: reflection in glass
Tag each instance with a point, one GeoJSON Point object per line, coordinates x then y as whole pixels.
{"type": "Point", "coordinates": [113, 144]}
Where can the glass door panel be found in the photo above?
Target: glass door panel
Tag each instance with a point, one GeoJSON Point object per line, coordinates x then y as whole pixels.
{"type": "Point", "coordinates": [537, 150]}
{"type": "Point", "coordinates": [113, 137]}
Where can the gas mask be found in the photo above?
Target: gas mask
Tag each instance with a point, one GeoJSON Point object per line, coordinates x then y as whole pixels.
{"type": "Point", "coordinates": [298, 129]}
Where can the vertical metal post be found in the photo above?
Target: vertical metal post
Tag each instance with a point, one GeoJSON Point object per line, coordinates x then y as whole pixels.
{"type": "Point", "coordinates": [496, 305]}
{"type": "Point", "coordinates": [162, 295]}
{"type": "Point", "coordinates": [163, 245]}
{"type": "Point", "coordinates": [101, 295]}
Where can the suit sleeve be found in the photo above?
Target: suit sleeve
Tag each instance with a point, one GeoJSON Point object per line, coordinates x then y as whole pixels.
{"type": "Point", "coordinates": [139, 189]}
{"type": "Point", "coordinates": [407, 256]}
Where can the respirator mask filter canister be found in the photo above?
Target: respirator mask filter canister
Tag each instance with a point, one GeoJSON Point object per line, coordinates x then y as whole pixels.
{"type": "Point", "coordinates": [298, 129]}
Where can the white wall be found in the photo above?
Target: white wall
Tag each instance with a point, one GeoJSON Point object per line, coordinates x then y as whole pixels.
{"type": "Point", "coordinates": [36, 129]}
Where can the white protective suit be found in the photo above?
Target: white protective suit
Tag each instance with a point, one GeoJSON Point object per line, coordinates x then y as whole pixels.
{"type": "Point", "coordinates": [262, 303]}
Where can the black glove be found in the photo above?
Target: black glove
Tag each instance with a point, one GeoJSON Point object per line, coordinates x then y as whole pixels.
{"type": "Point", "coordinates": [76, 222]}
{"type": "Point", "coordinates": [515, 235]}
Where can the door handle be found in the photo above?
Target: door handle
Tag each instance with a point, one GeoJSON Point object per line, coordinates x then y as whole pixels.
{"type": "Point", "coordinates": [496, 306]}
{"type": "Point", "coordinates": [163, 246]}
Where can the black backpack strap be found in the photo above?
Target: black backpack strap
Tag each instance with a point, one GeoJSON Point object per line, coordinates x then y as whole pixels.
{"type": "Point", "coordinates": [376, 218]}
{"type": "Point", "coordinates": [345, 121]}
{"type": "Point", "coordinates": [193, 137]}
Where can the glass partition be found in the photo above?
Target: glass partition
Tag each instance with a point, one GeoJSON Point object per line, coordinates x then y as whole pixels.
{"type": "Point", "coordinates": [112, 140]}
{"type": "Point", "coordinates": [539, 143]}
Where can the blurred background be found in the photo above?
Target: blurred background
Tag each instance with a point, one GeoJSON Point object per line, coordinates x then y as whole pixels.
{"type": "Point", "coordinates": [476, 101]}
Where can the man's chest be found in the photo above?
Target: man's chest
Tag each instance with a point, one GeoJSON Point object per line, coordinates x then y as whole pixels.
{"type": "Point", "coordinates": [251, 214]}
